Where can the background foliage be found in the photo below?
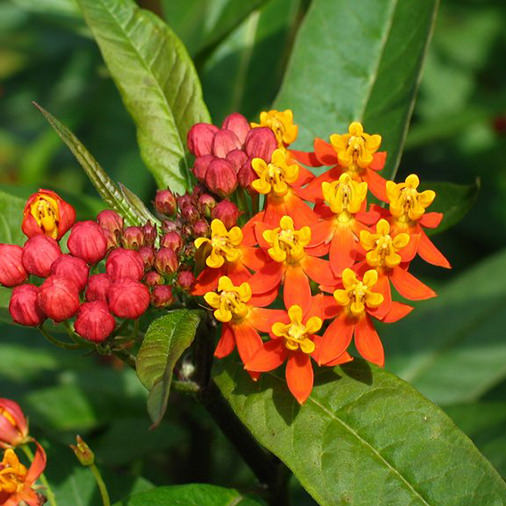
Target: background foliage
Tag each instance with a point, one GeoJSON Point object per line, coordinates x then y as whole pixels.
{"type": "Point", "coordinates": [452, 349]}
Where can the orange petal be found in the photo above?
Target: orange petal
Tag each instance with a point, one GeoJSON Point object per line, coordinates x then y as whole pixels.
{"type": "Point", "coordinates": [254, 258]}
{"type": "Point", "coordinates": [237, 272]}
{"type": "Point", "coordinates": [382, 286]}
{"type": "Point", "coordinates": [336, 339]}
{"type": "Point", "coordinates": [319, 271]}
{"type": "Point", "coordinates": [368, 343]}
{"type": "Point", "coordinates": [431, 220]}
{"type": "Point", "coordinates": [397, 311]}
{"type": "Point", "coordinates": [274, 211]}
{"type": "Point", "coordinates": [207, 281]}
{"type": "Point", "coordinates": [38, 465]}
{"type": "Point", "coordinates": [321, 232]}
{"type": "Point", "coordinates": [342, 252]}
{"type": "Point", "coordinates": [299, 376]}
{"type": "Point", "coordinates": [263, 319]}
{"type": "Point", "coordinates": [428, 251]}
{"type": "Point", "coordinates": [378, 160]}
{"type": "Point", "coordinates": [341, 359]}
{"type": "Point", "coordinates": [376, 184]}
{"type": "Point", "coordinates": [410, 287]}
{"type": "Point", "coordinates": [305, 177]}
{"type": "Point", "coordinates": [297, 289]}
{"type": "Point", "coordinates": [266, 279]}
{"type": "Point", "coordinates": [247, 340]}
{"type": "Point", "coordinates": [324, 152]}
{"type": "Point", "coordinates": [226, 344]}
{"type": "Point", "coordinates": [263, 299]}
{"type": "Point", "coordinates": [313, 190]}
{"type": "Point", "coordinates": [307, 158]}
{"type": "Point", "coordinates": [409, 251]}
{"type": "Point", "coordinates": [268, 357]}
{"type": "Point", "coordinates": [248, 230]}
{"type": "Point", "coordinates": [301, 213]}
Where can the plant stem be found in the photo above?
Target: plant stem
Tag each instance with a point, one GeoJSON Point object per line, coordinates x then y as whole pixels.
{"type": "Point", "coordinates": [57, 342]}
{"type": "Point", "coordinates": [127, 357]}
{"type": "Point", "coordinates": [101, 485]}
{"type": "Point", "coordinates": [186, 386]}
{"type": "Point", "coordinates": [49, 492]}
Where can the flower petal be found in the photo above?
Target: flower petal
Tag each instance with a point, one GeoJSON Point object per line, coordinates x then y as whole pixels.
{"type": "Point", "coordinates": [376, 184]}
{"type": "Point", "coordinates": [299, 376]}
{"type": "Point", "coordinates": [297, 290]}
{"type": "Point", "coordinates": [428, 251]}
{"type": "Point", "coordinates": [226, 344]}
{"type": "Point", "coordinates": [266, 279]}
{"type": "Point", "coordinates": [342, 252]}
{"type": "Point", "coordinates": [410, 287]}
{"type": "Point", "coordinates": [324, 152]}
{"type": "Point", "coordinates": [431, 220]}
{"type": "Point", "coordinates": [268, 357]}
{"type": "Point", "coordinates": [247, 340]}
{"type": "Point", "coordinates": [319, 271]}
{"type": "Point", "coordinates": [397, 311]}
{"type": "Point", "coordinates": [264, 319]}
{"type": "Point", "coordinates": [336, 339]}
{"type": "Point", "coordinates": [307, 158]}
{"type": "Point", "coordinates": [378, 160]}
{"type": "Point", "coordinates": [368, 343]}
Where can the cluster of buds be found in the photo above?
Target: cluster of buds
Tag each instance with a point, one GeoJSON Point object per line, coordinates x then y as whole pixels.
{"type": "Point", "coordinates": [17, 483]}
{"type": "Point", "coordinates": [316, 232]}
{"type": "Point", "coordinates": [223, 155]}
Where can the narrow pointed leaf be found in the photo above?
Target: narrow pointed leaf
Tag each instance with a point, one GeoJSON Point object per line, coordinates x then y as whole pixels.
{"type": "Point", "coordinates": [363, 437]}
{"type": "Point", "coordinates": [137, 204]}
{"type": "Point", "coordinates": [358, 61]}
{"type": "Point", "coordinates": [156, 79]}
{"type": "Point", "coordinates": [104, 185]}
{"type": "Point", "coordinates": [165, 341]}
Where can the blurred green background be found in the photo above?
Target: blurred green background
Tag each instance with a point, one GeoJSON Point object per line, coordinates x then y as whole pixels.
{"type": "Point", "coordinates": [458, 134]}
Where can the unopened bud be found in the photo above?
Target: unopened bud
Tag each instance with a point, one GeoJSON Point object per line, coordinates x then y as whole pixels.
{"type": "Point", "coordinates": [110, 220]}
{"type": "Point", "coordinates": [59, 298]}
{"type": "Point", "coordinates": [97, 288]}
{"type": "Point", "coordinates": [200, 138]}
{"type": "Point", "coordinates": [83, 452]}
{"type": "Point", "coordinates": [87, 241]}
{"type": "Point", "coordinates": [238, 124]}
{"type": "Point", "coordinates": [171, 226]}
{"type": "Point", "coordinates": [24, 306]}
{"type": "Point", "coordinates": [227, 212]}
{"type": "Point", "coordinates": [190, 213]}
{"type": "Point", "coordinates": [221, 177]}
{"type": "Point", "coordinates": [150, 234]}
{"type": "Point", "coordinates": [12, 272]}
{"type": "Point", "coordinates": [133, 238]}
{"type": "Point", "coordinates": [166, 261]}
{"type": "Point", "coordinates": [224, 142]}
{"type": "Point", "coordinates": [206, 204]}
{"type": "Point", "coordinates": [172, 240]}
{"type": "Point", "coordinates": [128, 298]}
{"type": "Point", "coordinates": [162, 296]}
{"type": "Point", "coordinates": [94, 322]}
{"type": "Point", "coordinates": [201, 228]}
{"type": "Point", "coordinates": [165, 202]}
{"type": "Point", "coordinates": [153, 278]}
{"type": "Point", "coordinates": [124, 263]}
{"type": "Point", "coordinates": [73, 268]}
{"type": "Point", "coordinates": [148, 256]}
{"type": "Point", "coordinates": [185, 280]}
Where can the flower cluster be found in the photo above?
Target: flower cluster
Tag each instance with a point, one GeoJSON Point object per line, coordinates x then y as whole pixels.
{"type": "Point", "coordinates": [17, 483]}
{"type": "Point", "coordinates": [320, 246]}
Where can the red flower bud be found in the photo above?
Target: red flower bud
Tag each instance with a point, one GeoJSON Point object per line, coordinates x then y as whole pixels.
{"type": "Point", "coordinates": [124, 263]}
{"type": "Point", "coordinates": [190, 213]}
{"type": "Point", "coordinates": [87, 241]}
{"type": "Point", "coordinates": [260, 143]}
{"type": "Point", "coordinates": [133, 238]}
{"type": "Point", "coordinates": [184, 200]}
{"type": "Point", "coordinates": [113, 239]}
{"type": "Point", "coordinates": [166, 261]}
{"type": "Point", "coordinates": [221, 177]}
{"type": "Point", "coordinates": [48, 214]}
{"type": "Point", "coordinates": [205, 204]}
{"type": "Point", "coordinates": [150, 233]}
{"type": "Point", "coordinates": [128, 298]}
{"type": "Point", "coordinates": [24, 306]}
{"type": "Point", "coordinates": [246, 174]}
{"type": "Point", "coordinates": [13, 424]}
{"type": "Point", "coordinates": [200, 166]}
{"type": "Point", "coordinates": [162, 296]}
{"type": "Point", "coordinates": [189, 250]}
{"type": "Point", "coordinates": [148, 256]}
{"type": "Point", "coordinates": [224, 142]}
{"type": "Point", "coordinates": [171, 226]}
{"type": "Point", "coordinates": [59, 298]}
{"type": "Point", "coordinates": [110, 220]}
{"type": "Point", "coordinates": [237, 158]}
{"type": "Point", "coordinates": [165, 202]}
{"type": "Point", "coordinates": [187, 231]}
{"type": "Point", "coordinates": [227, 212]}
{"type": "Point", "coordinates": [12, 272]}
{"type": "Point", "coordinates": [200, 138]}
{"type": "Point", "coordinates": [201, 228]}
{"type": "Point", "coordinates": [97, 288]}
{"type": "Point", "coordinates": [153, 278]}
{"type": "Point", "coordinates": [94, 321]}
{"type": "Point", "coordinates": [238, 124]}
{"type": "Point", "coordinates": [172, 240]}
{"type": "Point", "coordinates": [39, 253]}
{"type": "Point", "coordinates": [73, 268]}
{"type": "Point", "coordinates": [185, 280]}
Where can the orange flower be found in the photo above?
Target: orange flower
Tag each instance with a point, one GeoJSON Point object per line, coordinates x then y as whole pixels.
{"type": "Point", "coordinates": [13, 424]}
{"type": "Point", "coordinates": [352, 307]}
{"type": "Point", "coordinates": [354, 153]}
{"type": "Point", "coordinates": [407, 207]}
{"type": "Point", "coordinates": [47, 213]}
{"type": "Point", "coordinates": [16, 481]}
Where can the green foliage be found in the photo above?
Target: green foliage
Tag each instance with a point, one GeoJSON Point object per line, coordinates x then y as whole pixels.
{"type": "Point", "coordinates": [157, 82]}
{"type": "Point", "coordinates": [358, 61]}
{"type": "Point", "coordinates": [11, 216]}
{"type": "Point", "coordinates": [165, 341]}
{"type": "Point", "coordinates": [363, 437]}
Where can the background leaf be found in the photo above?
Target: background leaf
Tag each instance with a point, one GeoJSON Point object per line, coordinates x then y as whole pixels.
{"type": "Point", "coordinates": [363, 437]}
{"type": "Point", "coordinates": [157, 82]}
{"type": "Point", "coordinates": [165, 341]}
{"type": "Point", "coordinates": [358, 61]}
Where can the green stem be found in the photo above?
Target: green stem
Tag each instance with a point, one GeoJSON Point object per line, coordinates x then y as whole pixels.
{"type": "Point", "coordinates": [101, 485]}
{"type": "Point", "coordinates": [127, 357]}
{"type": "Point", "coordinates": [186, 386]}
{"type": "Point", "coordinates": [57, 342]}
{"type": "Point", "coordinates": [49, 492]}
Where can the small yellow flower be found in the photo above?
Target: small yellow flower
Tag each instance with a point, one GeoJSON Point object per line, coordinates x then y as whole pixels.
{"type": "Point", "coordinates": [286, 243]}
{"type": "Point", "coordinates": [281, 123]}
{"type": "Point", "coordinates": [344, 195]}
{"type": "Point", "coordinates": [224, 244]}
{"type": "Point", "coordinates": [229, 302]}
{"type": "Point", "coordinates": [296, 334]}
{"type": "Point", "coordinates": [276, 176]}
{"type": "Point", "coordinates": [46, 213]}
{"type": "Point", "coordinates": [357, 295]}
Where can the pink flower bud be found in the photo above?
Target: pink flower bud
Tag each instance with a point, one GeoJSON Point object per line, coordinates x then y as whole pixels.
{"type": "Point", "coordinates": [190, 213]}
{"type": "Point", "coordinates": [200, 166]}
{"type": "Point", "coordinates": [224, 142]}
{"type": "Point", "coordinates": [150, 233]}
{"type": "Point", "coordinates": [128, 298]}
{"type": "Point", "coordinates": [133, 238]}
{"type": "Point", "coordinates": [39, 253]}
{"type": "Point", "coordinates": [152, 278]}
{"type": "Point", "coordinates": [148, 256]}
{"type": "Point", "coordinates": [162, 296]}
{"type": "Point", "coordinates": [12, 272]}
{"type": "Point", "coordinates": [260, 143]}
{"type": "Point", "coordinates": [166, 261]}
{"type": "Point", "coordinates": [97, 288]}
{"type": "Point", "coordinates": [185, 280]}
{"type": "Point", "coordinates": [87, 241]}
{"type": "Point", "coordinates": [201, 228]}
{"type": "Point", "coordinates": [172, 240]}
{"type": "Point", "coordinates": [184, 200]}
{"type": "Point", "coordinates": [110, 220]}
{"type": "Point", "coordinates": [72, 268]}
{"type": "Point", "coordinates": [94, 321]}
{"type": "Point", "coordinates": [237, 158]}
{"type": "Point", "coordinates": [165, 202]}
{"type": "Point", "coordinates": [113, 239]}
{"type": "Point", "coordinates": [200, 138]}
{"type": "Point", "coordinates": [246, 174]}
{"type": "Point", "coordinates": [238, 124]}
{"type": "Point", "coordinates": [227, 212]}
{"type": "Point", "coordinates": [13, 425]}
{"type": "Point", "coordinates": [187, 231]}
{"type": "Point", "coordinates": [59, 298]}
{"type": "Point", "coordinates": [189, 250]}
{"type": "Point", "coordinates": [124, 263]}
{"type": "Point", "coordinates": [205, 204]}
{"type": "Point", "coordinates": [221, 177]}
{"type": "Point", "coordinates": [171, 226]}
{"type": "Point", "coordinates": [24, 306]}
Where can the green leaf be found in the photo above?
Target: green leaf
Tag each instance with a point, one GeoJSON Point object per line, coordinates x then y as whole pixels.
{"type": "Point", "coordinates": [67, 8]}
{"type": "Point", "coordinates": [452, 347]}
{"type": "Point", "coordinates": [358, 61]}
{"type": "Point", "coordinates": [105, 186]}
{"type": "Point", "coordinates": [11, 217]}
{"type": "Point", "coordinates": [454, 200]}
{"type": "Point", "coordinates": [190, 495]}
{"type": "Point", "coordinates": [157, 82]}
{"type": "Point", "coordinates": [165, 341]}
{"type": "Point", "coordinates": [363, 437]}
